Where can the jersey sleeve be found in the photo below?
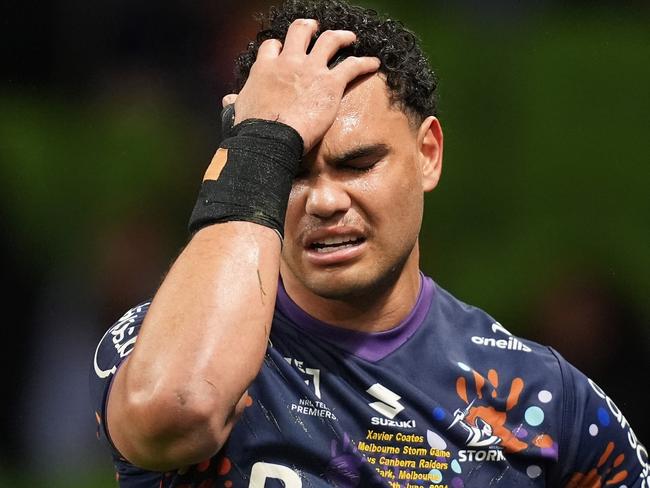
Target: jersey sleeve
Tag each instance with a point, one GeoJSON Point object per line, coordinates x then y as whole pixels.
{"type": "Point", "coordinates": [599, 447]}
{"type": "Point", "coordinates": [112, 350]}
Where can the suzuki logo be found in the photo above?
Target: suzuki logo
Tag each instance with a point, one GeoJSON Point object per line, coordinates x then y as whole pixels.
{"type": "Point", "coordinates": [389, 404]}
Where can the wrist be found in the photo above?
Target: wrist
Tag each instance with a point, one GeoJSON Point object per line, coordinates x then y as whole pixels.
{"type": "Point", "coordinates": [250, 177]}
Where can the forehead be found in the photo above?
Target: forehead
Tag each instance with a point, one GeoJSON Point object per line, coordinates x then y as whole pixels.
{"type": "Point", "coordinates": [365, 116]}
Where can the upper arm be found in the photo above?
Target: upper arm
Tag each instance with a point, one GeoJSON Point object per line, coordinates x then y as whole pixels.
{"type": "Point", "coordinates": [111, 352]}
{"type": "Point", "coordinates": [602, 448]}
{"type": "Point", "coordinates": [138, 430]}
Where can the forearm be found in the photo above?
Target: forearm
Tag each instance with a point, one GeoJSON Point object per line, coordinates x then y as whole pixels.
{"type": "Point", "coordinates": [201, 345]}
{"type": "Point", "coordinates": [203, 339]}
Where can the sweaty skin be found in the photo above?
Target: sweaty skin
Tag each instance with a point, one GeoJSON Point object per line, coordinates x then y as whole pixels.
{"type": "Point", "coordinates": [374, 197]}
{"type": "Point", "coordinates": [174, 406]}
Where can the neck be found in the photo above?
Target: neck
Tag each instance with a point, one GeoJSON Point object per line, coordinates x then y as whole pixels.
{"type": "Point", "coordinates": [378, 309]}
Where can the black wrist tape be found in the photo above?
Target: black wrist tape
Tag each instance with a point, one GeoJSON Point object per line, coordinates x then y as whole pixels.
{"type": "Point", "coordinates": [252, 179]}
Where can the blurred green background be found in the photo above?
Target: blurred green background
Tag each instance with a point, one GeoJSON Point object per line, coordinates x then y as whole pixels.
{"type": "Point", "coordinates": [109, 115]}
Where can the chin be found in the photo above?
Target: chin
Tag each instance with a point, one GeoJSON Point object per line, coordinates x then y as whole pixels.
{"type": "Point", "coordinates": [366, 278]}
{"type": "Point", "coordinates": [347, 284]}
{"type": "Point", "coordinates": [335, 291]}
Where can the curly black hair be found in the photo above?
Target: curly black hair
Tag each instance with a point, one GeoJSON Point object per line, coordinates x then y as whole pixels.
{"type": "Point", "coordinates": [411, 81]}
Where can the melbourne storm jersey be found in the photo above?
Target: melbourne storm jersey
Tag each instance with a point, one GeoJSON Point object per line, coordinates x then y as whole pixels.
{"type": "Point", "coordinates": [448, 398]}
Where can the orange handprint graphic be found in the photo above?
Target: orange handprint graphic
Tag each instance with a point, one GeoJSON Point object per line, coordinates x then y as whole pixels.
{"type": "Point", "coordinates": [487, 418]}
{"type": "Point", "coordinates": [596, 477]}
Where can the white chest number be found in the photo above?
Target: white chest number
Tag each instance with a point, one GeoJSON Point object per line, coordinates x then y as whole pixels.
{"type": "Point", "coordinates": [263, 471]}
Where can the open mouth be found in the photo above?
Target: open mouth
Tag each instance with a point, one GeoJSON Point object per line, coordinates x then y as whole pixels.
{"type": "Point", "coordinates": [334, 244]}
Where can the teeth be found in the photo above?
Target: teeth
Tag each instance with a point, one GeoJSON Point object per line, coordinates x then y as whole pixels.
{"type": "Point", "coordinates": [332, 249]}
{"type": "Point", "coordinates": [332, 244]}
{"type": "Point", "coordinates": [336, 240]}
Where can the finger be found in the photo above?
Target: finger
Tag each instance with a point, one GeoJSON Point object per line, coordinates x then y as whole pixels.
{"type": "Point", "coordinates": [352, 67]}
{"type": "Point", "coordinates": [299, 35]}
{"type": "Point", "coordinates": [228, 100]}
{"type": "Point", "coordinates": [269, 49]}
{"type": "Point", "coordinates": [329, 43]}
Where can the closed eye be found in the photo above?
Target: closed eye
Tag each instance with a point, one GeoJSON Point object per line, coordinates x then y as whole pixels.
{"type": "Point", "coordinates": [359, 167]}
{"type": "Point", "coordinates": [359, 159]}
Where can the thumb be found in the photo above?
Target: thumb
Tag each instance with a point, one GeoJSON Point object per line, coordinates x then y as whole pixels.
{"type": "Point", "coordinates": [228, 100]}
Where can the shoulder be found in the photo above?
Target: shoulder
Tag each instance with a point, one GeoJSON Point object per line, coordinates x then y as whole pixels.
{"type": "Point", "coordinates": [468, 330]}
{"type": "Point", "coordinates": [599, 444]}
{"type": "Point", "coordinates": [591, 437]}
{"type": "Point", "coordinates": [118, 341]}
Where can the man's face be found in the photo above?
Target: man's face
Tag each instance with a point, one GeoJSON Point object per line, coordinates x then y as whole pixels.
{"type": "Point", "coordinates": [355, 209]}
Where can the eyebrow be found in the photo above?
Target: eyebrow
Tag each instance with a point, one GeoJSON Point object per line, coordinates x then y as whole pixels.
{"type": "Point", "coordinates": [375, 150]}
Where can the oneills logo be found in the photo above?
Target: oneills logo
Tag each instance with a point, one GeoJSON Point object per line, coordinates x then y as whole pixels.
{"type": "Point", "coordinates": [511, 343]}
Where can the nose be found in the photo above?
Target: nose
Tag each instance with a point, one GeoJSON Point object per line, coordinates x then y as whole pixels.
{"type": "Point", "coordinates": [326, 197]}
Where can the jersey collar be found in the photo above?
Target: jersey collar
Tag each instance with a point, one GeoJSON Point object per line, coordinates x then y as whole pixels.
{"type": "Point", "coordinates": [371, 346]}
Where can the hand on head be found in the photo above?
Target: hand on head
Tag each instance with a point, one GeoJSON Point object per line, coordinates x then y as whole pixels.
{"type": "Point", "coordinates": [288, 85]}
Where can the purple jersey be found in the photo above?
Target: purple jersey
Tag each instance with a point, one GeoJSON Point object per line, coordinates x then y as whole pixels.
{"type": "Point", "coordinates": [448, 398]}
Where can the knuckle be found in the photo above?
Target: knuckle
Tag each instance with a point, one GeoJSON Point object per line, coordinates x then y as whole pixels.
{"type": "Point", "coordinates": [353, 62]}
{"type": "Point", "coordinates": [328, 35]}
{"type": "Point", "coordinates": [337, 35]}
{"type": "Point", "coordinates": [304, 22]}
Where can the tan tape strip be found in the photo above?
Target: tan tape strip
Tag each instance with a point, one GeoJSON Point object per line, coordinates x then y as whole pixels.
{"type": "Point", "coordinates": [216, 165]}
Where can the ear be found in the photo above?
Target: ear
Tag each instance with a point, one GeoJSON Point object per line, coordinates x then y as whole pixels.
{"type": "Point", "coordinates": [429, 141]}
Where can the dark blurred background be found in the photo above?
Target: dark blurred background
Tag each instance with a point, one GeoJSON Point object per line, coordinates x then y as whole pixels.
{"type": "Point", "coordinates": [109, 116]}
